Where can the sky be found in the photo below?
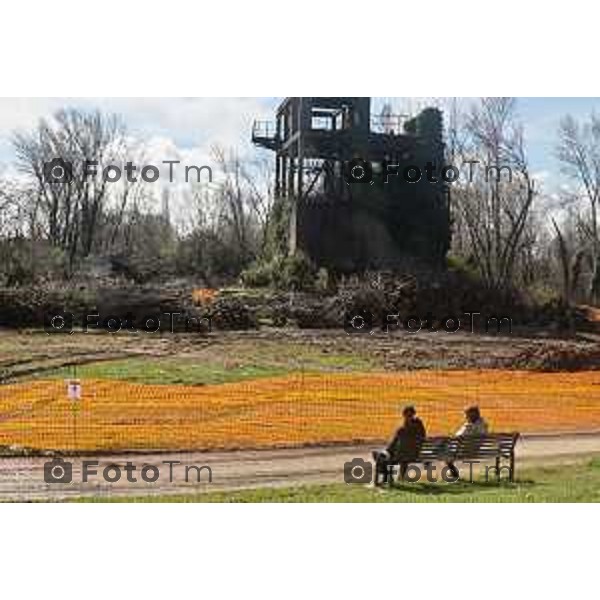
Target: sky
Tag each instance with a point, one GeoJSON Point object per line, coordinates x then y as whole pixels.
{"type": "Point", "coordinates": [186, 128]}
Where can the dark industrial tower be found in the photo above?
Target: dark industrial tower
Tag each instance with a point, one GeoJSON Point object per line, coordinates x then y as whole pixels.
{"type": "Point", "coordinates": [355, 227]}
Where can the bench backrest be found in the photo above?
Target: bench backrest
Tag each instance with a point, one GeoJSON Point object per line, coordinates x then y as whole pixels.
{"type": "Point", "coordinates": [491, 445]}
{"type": "Point", "coordinates": [460, 448]}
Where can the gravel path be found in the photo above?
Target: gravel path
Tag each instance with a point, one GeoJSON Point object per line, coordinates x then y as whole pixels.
{"type": "Point", "coordinates": [22, 479]}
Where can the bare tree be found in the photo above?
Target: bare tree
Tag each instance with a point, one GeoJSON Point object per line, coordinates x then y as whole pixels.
{"type": "Point", "coordinates": [128, 193]}
{"type": "Point", "coordinates": [16, 212]}
{"type": "Point", "coordinates": [579, 152]}
{"type": "Point", "coordinates": [244, 202]}
{"type": "Point", "coordinates": [494, 205]}
{"type": "Point", "coordinates": [9, 204]}
{"type": "Point", "coordinates": [71, 208]}
{"type": "Point", "coordinates": [571, 262]}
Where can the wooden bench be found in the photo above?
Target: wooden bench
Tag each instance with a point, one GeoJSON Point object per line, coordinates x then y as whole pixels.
{"type": "Point", "coordinates": [498, 446]}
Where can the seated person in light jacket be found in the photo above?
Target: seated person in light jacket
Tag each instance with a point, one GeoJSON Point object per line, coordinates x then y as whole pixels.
{"type": "Point", "coordinates": [473, 427]}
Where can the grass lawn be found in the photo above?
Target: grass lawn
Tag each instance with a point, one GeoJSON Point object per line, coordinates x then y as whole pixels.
{"type": "Point", "coordinates": [170, 371]}
{"type": "Point", "coordinates": [567, 483]}
{"type": "Point", "coordinates": [217, 367]}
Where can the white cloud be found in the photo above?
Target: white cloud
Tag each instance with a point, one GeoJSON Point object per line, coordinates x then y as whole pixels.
{"type": "Point", "coordinates": [170, 128]}
{"type": "Point", "coordinates": [182, 129]}
{"type": "Point", "coordinates": [182, 123]}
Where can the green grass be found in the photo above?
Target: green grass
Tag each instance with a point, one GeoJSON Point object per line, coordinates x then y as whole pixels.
{"type": "Point", "coordinates": [567, 483]}
{"type": "Point", "coordinates": [170, 371]}
{"type": "Point", "coordinates": [244, 363]}
{"type": "Point", "coordinates": [231, 359]}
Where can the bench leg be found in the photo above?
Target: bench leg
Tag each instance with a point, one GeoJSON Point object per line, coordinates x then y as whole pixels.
{"type": "Point", "coordinates": [498, 469]}
{"type": "Point", "coordinates": [377, 472]}
{"type": "Point", "coordinates": [452, 468]}
{"type": "Point", "coordinates": [512, 466]}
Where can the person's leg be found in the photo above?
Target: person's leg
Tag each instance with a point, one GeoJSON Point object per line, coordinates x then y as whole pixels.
{"type": "Point", "coordinates": [390, 467]}
{"type": "Point", "coordinates": [403, 469]}
{"type": "Point", "coordinates": [387, 468]}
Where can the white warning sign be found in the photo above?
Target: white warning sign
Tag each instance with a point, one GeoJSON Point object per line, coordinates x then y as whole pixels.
{"type": "Point", "coordinates": [74, 389]}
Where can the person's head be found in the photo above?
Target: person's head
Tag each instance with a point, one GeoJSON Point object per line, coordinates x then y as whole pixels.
{"type": "Point", "coordinates": [409, 412]}
{"type": "Point", "coordinates": [472, 413]}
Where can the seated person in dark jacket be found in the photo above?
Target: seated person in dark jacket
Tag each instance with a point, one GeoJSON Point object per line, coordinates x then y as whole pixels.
{"type": "Point", "coordinates": [404, 446]}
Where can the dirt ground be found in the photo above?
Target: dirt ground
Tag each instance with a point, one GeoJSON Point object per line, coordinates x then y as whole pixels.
{"type": "Point", "coordinates": [34, 353]}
